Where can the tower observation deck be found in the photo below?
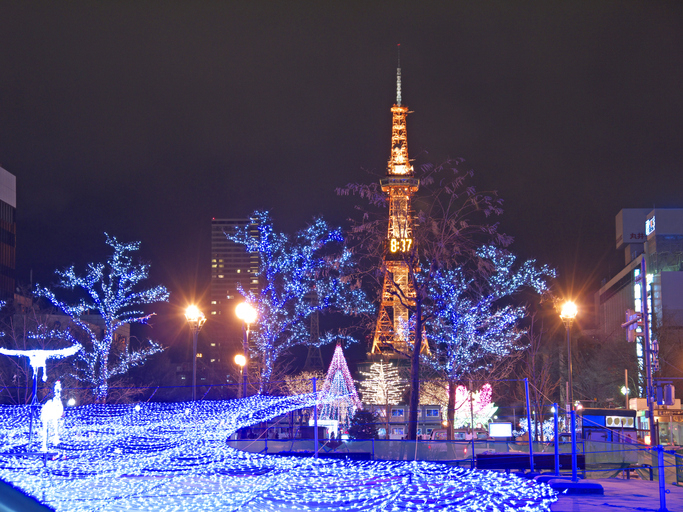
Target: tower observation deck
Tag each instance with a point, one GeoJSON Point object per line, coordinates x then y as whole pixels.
{"type": "Point", "coordinates": [393, 332]}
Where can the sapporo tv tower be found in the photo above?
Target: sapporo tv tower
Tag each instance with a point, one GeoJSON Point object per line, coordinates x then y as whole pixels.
{"type": "Point", "coordinates": [393, 334]}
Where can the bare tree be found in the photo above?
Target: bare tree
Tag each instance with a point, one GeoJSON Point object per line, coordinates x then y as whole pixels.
{"type": "Point", "coordinates": [538, 366]}
{"type": "Point", "coordinates": [455, 246]}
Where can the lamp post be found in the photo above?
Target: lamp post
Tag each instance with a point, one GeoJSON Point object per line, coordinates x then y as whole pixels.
{"type": "Point", "coordinates": [240, 361]}
{"type": "Point", "coordinates": [567, 315]}
{"type": "Point", "coordinates": [247, 314]}
{"type": "Point", "coordinates": [195, 319]}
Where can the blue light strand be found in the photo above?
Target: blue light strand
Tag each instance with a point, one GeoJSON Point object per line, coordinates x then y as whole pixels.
{"type": "Point", "coordinates": [291, 271]}
{"type": "Point", "coordinates": [166, 457]}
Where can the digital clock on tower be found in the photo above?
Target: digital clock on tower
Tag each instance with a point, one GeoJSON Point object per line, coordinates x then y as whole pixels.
{"type": "Point", "coordinates": [399, 245]}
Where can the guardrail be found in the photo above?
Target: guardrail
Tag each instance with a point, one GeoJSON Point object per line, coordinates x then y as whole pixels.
{"type": "Point", "coordinates": [602, 459]}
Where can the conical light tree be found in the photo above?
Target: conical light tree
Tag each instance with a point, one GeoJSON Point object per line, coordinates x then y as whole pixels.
{"type": "Point", "coordinates": [339, 384]}
{"type": "Point", "coordinates": [382, 385]}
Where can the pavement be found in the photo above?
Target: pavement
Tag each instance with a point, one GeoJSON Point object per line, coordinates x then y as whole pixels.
{"type": "Point", "coordinates": [622, 495]}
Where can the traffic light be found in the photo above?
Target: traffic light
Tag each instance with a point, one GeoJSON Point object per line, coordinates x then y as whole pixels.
{"type": "Point", "coordinates": [666, 394]}
{"type": "Point", "coordinates": [633, 325]}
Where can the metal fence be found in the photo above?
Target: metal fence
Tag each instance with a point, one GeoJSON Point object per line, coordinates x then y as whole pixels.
{"type": "Point", "coordinates": [602, 459]}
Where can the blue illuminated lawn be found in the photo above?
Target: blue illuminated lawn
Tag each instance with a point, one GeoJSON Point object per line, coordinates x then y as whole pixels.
{"type": "Point", "coordinates": [173, 457]}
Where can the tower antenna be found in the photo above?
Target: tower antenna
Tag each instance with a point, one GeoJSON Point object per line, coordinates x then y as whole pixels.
{"type": "Point", "coordinates": [398, 77]}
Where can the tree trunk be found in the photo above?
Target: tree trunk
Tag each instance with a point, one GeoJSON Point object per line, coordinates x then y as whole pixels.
{"type": "Point", "coordinates": [102, 389]}
{"type": "Point", "coordinates": [387, 413]}
{"type": "Point", "coordinates": [415, 373]}
{"type": "Point", "coordinates": [450, 415]}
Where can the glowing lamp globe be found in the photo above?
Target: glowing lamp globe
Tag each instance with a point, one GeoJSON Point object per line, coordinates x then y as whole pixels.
{"type": "Point", "coordinates": [569, 311]}
{"type": "Point", "coordinates": [240, 360]}
{"type": "Point", "coordinates": [194, 315]}
{"type": "Point", "coordinates": [246, 313]}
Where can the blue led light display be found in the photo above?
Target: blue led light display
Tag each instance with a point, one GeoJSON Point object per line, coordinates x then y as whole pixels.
{"type": "Point", "coordinates": [173, 457]}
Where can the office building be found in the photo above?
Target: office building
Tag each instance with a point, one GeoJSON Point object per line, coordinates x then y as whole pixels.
{"type": "Point", "coordinates": [8, 234]}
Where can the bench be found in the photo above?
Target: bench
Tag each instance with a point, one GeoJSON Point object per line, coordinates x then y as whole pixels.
{"type": "Point", "coordinates": [520, 461]}
{"type": "Point", "coordinates": [636, 467]}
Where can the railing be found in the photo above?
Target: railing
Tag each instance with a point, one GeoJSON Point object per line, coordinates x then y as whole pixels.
{"type": "Point", "coordinates": [603, 460]}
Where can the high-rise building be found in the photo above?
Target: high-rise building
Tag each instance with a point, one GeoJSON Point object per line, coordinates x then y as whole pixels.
{"type": "Point", "coordinates": [8, 234]}
{"type": "Point", "coordinates": [231, 265]}
{"type": "Point", "coordinates": [656, 236]}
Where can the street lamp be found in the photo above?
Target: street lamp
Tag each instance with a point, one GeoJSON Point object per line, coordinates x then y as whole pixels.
{"type": "Point", "coordinates": [568, 313]}
{"type": "Point", "coordinates": [196, 320]}
{"type": "Point", "coordinates": [624, 391]}
{"type": "Point", "coordinates": [247, 314]}
{"type": "Point", "coordinates": [240, 361]}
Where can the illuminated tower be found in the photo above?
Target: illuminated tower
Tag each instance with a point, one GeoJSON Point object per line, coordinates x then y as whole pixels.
{"type": "Point", "coordinates": [392, 332]}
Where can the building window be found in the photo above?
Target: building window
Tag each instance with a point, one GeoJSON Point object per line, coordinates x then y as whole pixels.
{"type": "Point", "coordinates": [432, 413]}
{"type": "Point", "coordinates": [397, 413]}
{"type": "Point", "coordinates": [397, 431]}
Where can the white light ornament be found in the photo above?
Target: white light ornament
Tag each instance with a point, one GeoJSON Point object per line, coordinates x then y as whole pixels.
{"type": "Point", "coordinates": [38, 358]}
{"type": "Point", "coordinates": [51, 412]}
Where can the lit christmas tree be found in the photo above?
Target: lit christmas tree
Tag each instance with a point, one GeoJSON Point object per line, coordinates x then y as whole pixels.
{"type": "Point", "coordinates": [290, 269]}
{"type": "Point", "coordinates": [111, 292]}
{"type": "Point", "coordinates": [382, 385]}
{"type": "Point", "coordinates": [339, 383]}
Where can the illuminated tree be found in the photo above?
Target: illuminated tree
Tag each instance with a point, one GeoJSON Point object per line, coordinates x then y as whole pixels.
{"type": "Point", "coordinates": [314, 261]}
{"type": "Point", "coordinates": [435, 392]}
{"type": "Point", "coordinates": [472, 324]}
{"type": "Point", "coordinates": [111, 291]}
{"type": "Point", "coordinates": [302, 383]}
{"type": "Point", "coordinates": [339, 383]}
{"type": "Point", "coordinates": [382, 385]}
{"type": "Point", "coordinates": [456, 250]}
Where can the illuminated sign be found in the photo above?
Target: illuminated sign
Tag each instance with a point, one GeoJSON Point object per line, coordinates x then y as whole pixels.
{"type": "Point", "coordinates": [400, 244]}
{"type": "Point", "coordinates": [649, 226]}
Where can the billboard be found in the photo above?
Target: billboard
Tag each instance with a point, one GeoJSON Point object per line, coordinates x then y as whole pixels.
{"type": "Point", "coordinates": [631, 226]}
{"type": "Point", "coordinates": [503, 429]}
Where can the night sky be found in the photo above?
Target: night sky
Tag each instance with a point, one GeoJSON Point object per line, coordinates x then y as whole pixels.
{"type": "Point", "coordinates": [147, 119]}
